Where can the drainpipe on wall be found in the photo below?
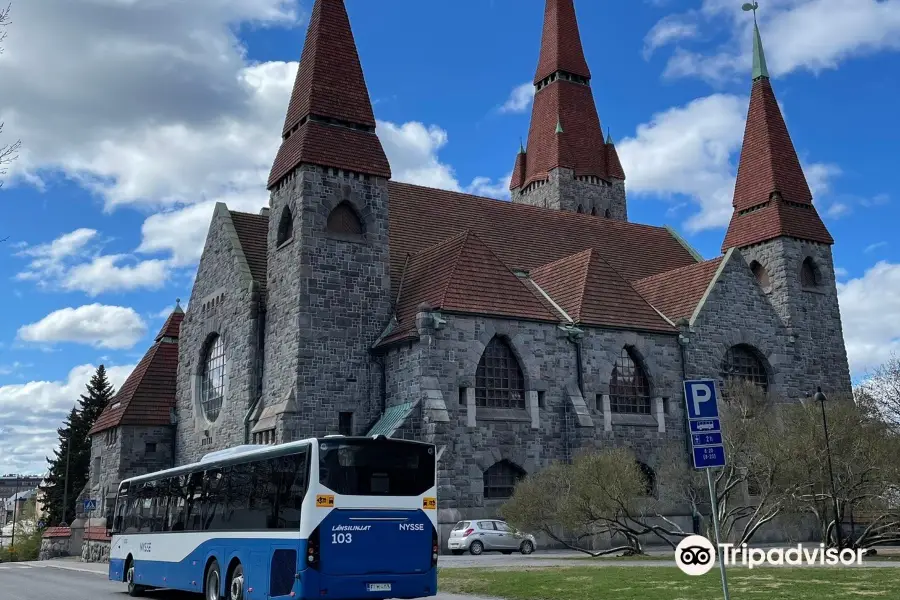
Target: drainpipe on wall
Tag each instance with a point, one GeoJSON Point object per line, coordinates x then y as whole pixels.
{"type": "Point", "coordinates": [261, 357]}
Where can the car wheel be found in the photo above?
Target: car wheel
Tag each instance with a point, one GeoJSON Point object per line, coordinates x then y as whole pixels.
{"type": "Point", "coordinates": [134, 590]}
{"type": "Point", "coordinates": [236, 585]}
{"type": "Point", "coordinates": [527, 547]}
{"type": "Point", "coordinates": [212, 582]}
{"type": "Point", "coordinates": [476, 548]}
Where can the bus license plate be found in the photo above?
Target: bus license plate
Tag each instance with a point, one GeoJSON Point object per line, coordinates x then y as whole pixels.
{"type": "Point", "coordinates": [379, 587]}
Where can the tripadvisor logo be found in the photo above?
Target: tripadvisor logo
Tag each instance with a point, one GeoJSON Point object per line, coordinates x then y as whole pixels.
{"type": "Point", "coordinates": [696, 555]}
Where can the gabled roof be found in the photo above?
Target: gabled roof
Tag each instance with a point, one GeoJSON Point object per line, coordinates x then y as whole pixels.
{"type": "Point", "coordinates": [148, 395]}
{"type": "Point", "coordinates": [677, 293]}
{"type": "Point", "coordinates": [252, 231]}
{"type": "Point", "coordinates": [771, 196]}
{"type": "Point", "coordinates": [329, 120]}
{"type": "Point", "coordinates": [591, 292]}
{"type": "Point", "coordinates": [462, 275]}
{"type": "Point", "coordinates": [561, 48]}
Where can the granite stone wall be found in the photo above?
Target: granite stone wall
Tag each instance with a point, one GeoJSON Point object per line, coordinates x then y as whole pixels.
{"type": "Point", "coordinates": [329, 299]}
{"type": "Point", "coordinates": [564, 191]}
{"type": "Point", "coordinates": [811, 314]}
{"type": "Point", "coordinates": [225, 301]}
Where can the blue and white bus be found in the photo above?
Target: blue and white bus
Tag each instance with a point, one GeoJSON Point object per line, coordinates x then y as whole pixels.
{"type": "Point", "coordinates": [335, 517]}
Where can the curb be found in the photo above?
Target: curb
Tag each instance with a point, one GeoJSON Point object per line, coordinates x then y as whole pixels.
{"type": "Point", "coordinates": [67, 568]}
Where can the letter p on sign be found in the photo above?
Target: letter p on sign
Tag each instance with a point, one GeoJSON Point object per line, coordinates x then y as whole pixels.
{"type": "Point", "coordinates": [701, 399]}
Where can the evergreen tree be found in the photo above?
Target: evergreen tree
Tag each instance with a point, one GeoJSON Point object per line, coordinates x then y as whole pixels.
{"type": "Point", "coordinates": [75, 429]}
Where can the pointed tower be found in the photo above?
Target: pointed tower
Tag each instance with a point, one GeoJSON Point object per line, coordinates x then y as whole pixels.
{"type": "Point", "coordinates": [780, 234]}
{"type": "Point", "coordinates": [328, 284]}
{"type": "Point", "coordinates": [567, 164]}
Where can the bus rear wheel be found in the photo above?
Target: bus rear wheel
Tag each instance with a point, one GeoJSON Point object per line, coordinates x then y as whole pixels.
{"type": "Point", "coordinates": [212, 581]}
{"type": "Point", "coordinates": [236, 586]}
{"type": "Point", "coordinates": [134, 590]}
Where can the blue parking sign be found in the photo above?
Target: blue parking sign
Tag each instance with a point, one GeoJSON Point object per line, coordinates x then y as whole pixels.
{"type": "Point", "coordinates": [702, 404]}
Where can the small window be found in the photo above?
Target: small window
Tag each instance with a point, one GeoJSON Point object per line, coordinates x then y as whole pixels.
{"type": "Point", "coordinates": [212, 378]}
{"type": "Point", "coordinates": [499, 381]}
{"type": "Point", "coordinates": [96, 470]}
{"type": "Point", "coordinates": [580, 209]}
{"type": "Point", "coordinates": [594, 212]}
{"type": "Point", "coordinates": [598, 402]}
{"type": "Point", "coordinates": [541, 399]}
{"type": "Point", "coordinates": [500, 480]}
{"type": "Point", "coordinates": [809, 277]}
{"type": "Point", "coordinates": [462, 396]}
{"type": "Point", "coordinates": [345, 423]}
{"type": "Point", "coordinates": [743, 363]}
{"type": "Point", "coordinates": [607, 213]}
{"type": "Point", "coordinates": [649, 478]}
{"type": "Point", "coordinates": [150, 448]}
{"type": "Point", "coordinates": [629, 388]}
{"type": "Point", "coordinates": [343, 219]}
{"type": "Point", "coordinates": [762, 276]}
{"type": "Point", "coordinates": [285, 226]}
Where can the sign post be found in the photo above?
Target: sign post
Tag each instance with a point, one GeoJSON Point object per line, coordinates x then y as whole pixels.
{"type": "Point", "coordinates": [707, 445]}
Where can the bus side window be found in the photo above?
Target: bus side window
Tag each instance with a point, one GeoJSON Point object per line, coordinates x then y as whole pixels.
{"type": "Point", "coordinates": [194, 497]}
{"type": "Point", "coordinates": [178, 490]}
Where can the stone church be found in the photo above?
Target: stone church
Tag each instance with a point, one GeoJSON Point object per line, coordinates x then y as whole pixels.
{"type": "Point", "coordinates": [509, 333]}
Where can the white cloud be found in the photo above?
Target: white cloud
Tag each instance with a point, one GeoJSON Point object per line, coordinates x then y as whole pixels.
{"type": "Point", "coordinates": [31, 412]}
{"type": "Point", "coordinates": [837, 210]}
{"type": "Point", "coordinates": [692, 151]}
{"type": "Point", "coordinates": [670, 29]}
{"type": "Point", "coordinates": [97, 325]}
{"type": "Point", "coordinates": [841, 273]}
{"type": "Point", "coordinates": [812, 35]}
{"type": "Point", "coordinates": [875, 246]}
{"type": "Point", "coordinates": [519, 99]}
{"type": "Point", "coordinates": [49, 259]}
{"type": "Point", "coordinates": [870, 315]}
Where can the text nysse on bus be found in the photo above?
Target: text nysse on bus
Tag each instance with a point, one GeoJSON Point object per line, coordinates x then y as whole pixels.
{"type": "Point", "coordinates": [337, 517]}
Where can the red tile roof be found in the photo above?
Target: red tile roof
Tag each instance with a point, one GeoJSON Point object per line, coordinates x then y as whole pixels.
{"type": "Point", "coordinates": [561, 42]}
{"type": "Point", "coordinates": [613, 164]}
{"type": "Point", "coordinates": [769, 164]}
{"type": "Point", "coordinates": [56, 532]}
{"type": "Point", "coordinates": [148, 395]}
{"type": "Point", "coordinates": [677, 293]}
{"type": "Point", "coordinates": [580, 146]}
{"type": "Point", "coordinates": [252, 231]}
{"type": "Point", "coordinates": [330, 80]}
{"type": "Point", "coordinates": [462, 275]}
{"type": "Point", "coordinates": [329, 120]}
{"type": "Point", "coordinates": [172, 325]}
{"type": "Point", "coordinates": [96, 534]}
{"type": "Point", "coordinates": [518, 174]}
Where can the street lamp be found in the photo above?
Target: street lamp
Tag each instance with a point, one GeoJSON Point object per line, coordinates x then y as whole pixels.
{"type": "Point", "coordinates": [820, 398]}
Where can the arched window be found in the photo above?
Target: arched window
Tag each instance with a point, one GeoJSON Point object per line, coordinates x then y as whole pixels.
{"type": "Point", "coordinates": [343, 219]}
{"type": "Point", "coordinates": [743, 363]}
{"type": "Point", "coordinates": [762, 276]}
{"type": "Point", "coordinates": [594, 212]}
{"type": "Point", "coordinates": [500, 480]}
{"type": "Point", "coordinates": [212, 378]}
{"type": "Point", "coordinates": [499, 382]}
{"type": "Point", "coordinates": [285, 226]}
{"type": "Point", "coordinates": [648, 475]}
{"type": "Point", "coordinates": [580, 209]}
{"type": "Point", "coordinates": [809, 277]}
{"type": "Point", "coordinates": [607, 213]}
{"type": "Point", "coordinates": [629, 389]}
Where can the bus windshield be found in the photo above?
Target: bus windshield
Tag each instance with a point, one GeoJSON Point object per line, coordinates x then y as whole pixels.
{"type": "Point", "coordinates": [371, 467]}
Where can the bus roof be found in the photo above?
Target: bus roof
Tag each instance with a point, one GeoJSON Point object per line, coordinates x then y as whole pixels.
{"type": "Point", "coordinates": [241, 453]}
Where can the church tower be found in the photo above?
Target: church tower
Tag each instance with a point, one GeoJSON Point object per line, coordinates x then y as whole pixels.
{"type": "Point", "coordinates": [567, 164]}
{"type": "Point", "coordinates": [328, 283]}
{"type": "Point", "coordinates": [779, 232]}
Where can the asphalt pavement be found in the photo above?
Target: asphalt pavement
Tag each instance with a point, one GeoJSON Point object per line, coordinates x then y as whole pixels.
{"type": "Point", "coordinates": [73, 580]}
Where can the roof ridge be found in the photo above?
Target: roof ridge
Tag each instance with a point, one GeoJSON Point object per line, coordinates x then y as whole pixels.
{"type": "Point", "coordinates": [629, 284]}
{"type": "Point", "coordinates": [463, 238]}
{"type": "Point", "coordinates": [677, 270]}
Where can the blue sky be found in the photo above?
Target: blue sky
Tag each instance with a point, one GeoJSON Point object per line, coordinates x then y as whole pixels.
{"type": "Point", "coordinates": [167, 107]}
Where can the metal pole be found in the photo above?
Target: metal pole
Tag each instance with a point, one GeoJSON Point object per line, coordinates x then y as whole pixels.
{"type": "Point", "coordinates": [65, 507]}
{"type": "Point", "coordinates": [12, 543]}
{"type": "Point", "coordinates": [715, 520]}
{"type": "Point", "coordinates": [837, 517]}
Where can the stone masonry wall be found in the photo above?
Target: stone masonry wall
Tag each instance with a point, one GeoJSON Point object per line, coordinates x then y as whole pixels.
{"type": "Point", "coordinates": [106, 462]}
{"type": "Point", "coordinates": [224, 301]}
{"type": "Point", "coordinates": [563, 191]}
{"type": "Point", "coordinates": [548, 364]}
{"type": "Point", "coordinates": [737, 312]}
{"type": "Point", "coordinates": [812, 315]}
{"type": "Point", "coordinates": [328, 299]}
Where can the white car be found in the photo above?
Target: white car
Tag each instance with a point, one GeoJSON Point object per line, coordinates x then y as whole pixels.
{"type": "Point", "coordinates": [488, 535]}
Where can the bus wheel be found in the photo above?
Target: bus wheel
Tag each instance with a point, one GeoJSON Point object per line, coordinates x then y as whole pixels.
{"type": "Point", "coordinates": [236, 587]}
{"type": "Point", "coordinates": [134, 590]}
{"type": "Point", "coordinates": [212, 581]}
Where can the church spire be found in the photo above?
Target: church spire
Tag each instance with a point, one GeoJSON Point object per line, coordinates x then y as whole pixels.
{"type": "Point", "coordinates": [771, 196]}
{"type": "Point", "coordinates": [561, 42]}
{"type": "Point", "coordinates": [329, 120]}
{"type": "Point", "coordinates": [563, 104]}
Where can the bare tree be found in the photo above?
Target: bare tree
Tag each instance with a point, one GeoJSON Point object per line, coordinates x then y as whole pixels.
{"type": "Point", "coordinates": [882, 391]}
{"type": "Point", "coordinates": [8, 152]}
{"type": "Point", "coordinates": [601, 494]}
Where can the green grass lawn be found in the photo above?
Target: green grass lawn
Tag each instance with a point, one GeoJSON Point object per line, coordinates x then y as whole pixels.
{"type": "Point", "coordinates": [664, 583]}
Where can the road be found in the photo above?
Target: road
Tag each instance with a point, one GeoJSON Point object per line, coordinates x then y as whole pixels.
{"type": "Point", "coordinates": [34, 581]}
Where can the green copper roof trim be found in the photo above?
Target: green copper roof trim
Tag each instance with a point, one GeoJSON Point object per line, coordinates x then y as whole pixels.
{"type": "Point", "coordinates": [393, 418]}
{"type": "Point", "coordinates": [760, 69]}
{"type": "Point", "coordinates": [609, 139]}
{"type": "Point", "coordinates": [684, 244]}
{"type": "Point", "coordinates": [559, 128]}
{"type": "Point", "coordinates": [521, 146]}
